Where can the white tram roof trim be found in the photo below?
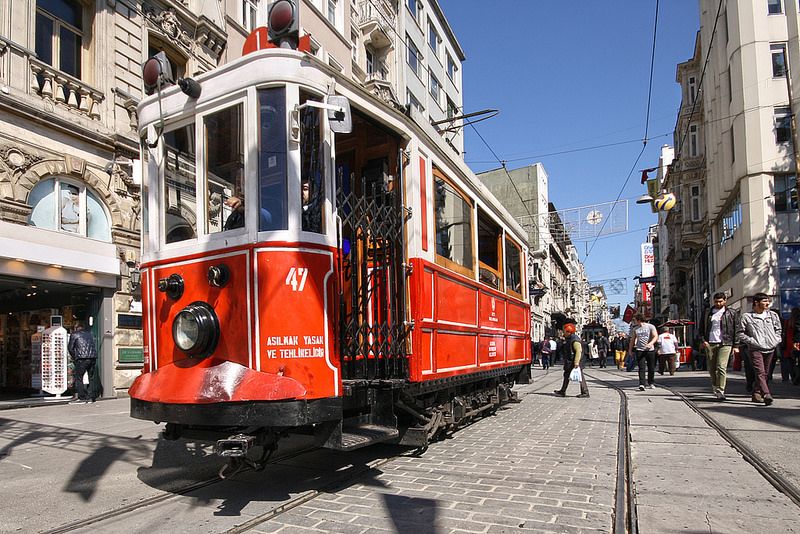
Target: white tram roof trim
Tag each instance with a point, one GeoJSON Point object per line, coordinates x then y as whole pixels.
{"type": "Point", "coordinates": [280, 65]}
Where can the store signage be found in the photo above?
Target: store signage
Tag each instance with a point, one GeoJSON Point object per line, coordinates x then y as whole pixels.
{"type": "Point", "coordinates": [130, 355]}
{"type": "Point", "coordinates": [125, 320]}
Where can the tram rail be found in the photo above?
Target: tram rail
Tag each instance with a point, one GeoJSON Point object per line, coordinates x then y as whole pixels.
{"type": "Point", "coordinates": [625, 520]}
{"type": "Point", "coordinates": [778, 481]}
{"type": "Point", "coordinates": [158, 499]}
{"type": "Point", "coordinates": [624, 511]}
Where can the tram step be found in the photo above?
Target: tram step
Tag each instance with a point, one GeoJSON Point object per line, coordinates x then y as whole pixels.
{"type": "Point", "coordinates": [362, 435]}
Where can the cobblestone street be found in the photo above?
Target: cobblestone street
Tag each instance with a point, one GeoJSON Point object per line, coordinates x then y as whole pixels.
{"type": "Point", "coordinates": [547, 464]}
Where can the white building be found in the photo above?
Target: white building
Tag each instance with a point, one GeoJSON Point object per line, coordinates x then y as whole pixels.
{"type": "Point", "coordinates": [430, 76]}
{"type": "Point", "coordinates": [752, 207]}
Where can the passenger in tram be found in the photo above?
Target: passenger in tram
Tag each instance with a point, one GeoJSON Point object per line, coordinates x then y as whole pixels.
{"type": "Point", "coordinates": [236, 218]}
{"type": "Point", "coordinates": [574, 358]}
{"type": "Point", "coordinates": [312, 214]}
{"type": "Point", "coordinates": [642, 345]}
{"type": "Point", "coordinates": [760, 330]}
{"type": "Point", "coordinates": [718, 337]}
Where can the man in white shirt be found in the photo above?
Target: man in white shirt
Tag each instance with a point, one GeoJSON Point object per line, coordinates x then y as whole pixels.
{"type": "Point", "coordinates": [667, 349]}
{"type": "Point", "coordinates": [717, 339]}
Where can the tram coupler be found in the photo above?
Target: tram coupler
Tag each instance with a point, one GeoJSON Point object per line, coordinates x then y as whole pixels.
{"type": "Point", "coordinates": [234, 446]}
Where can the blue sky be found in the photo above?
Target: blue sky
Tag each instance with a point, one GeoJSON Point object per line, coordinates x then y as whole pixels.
{"type": "Point", "coordinates": [570, 75]}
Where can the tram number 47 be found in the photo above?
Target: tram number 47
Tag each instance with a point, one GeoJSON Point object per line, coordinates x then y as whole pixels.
{"type": "Point", "coordinates": [297, 278]}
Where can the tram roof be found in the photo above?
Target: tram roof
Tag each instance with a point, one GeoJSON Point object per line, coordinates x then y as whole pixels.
{"type": "Point", "coordinates": [285, 65]}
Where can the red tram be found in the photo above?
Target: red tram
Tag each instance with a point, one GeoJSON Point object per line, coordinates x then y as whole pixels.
{"type": "Point", "coordinates": [315, 260]}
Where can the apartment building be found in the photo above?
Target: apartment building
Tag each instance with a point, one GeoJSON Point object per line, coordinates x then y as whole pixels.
{"type": "Point", "coordinates": [430, 77]}
{"type": "Point", "coordinates": [685, 281]}
{"type": "Point", "coordinates": [751, 198]}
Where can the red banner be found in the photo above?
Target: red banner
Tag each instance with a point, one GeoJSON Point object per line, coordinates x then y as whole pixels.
{"type": "Point", "coordinates": [628, 314]}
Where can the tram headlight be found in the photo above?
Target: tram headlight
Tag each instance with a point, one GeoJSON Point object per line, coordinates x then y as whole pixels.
{"type": "Point", "coordinates": [195, 330]}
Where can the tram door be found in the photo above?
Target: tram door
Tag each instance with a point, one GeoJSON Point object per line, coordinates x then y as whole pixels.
{"type": "Point", "coordinates": [372, 278]}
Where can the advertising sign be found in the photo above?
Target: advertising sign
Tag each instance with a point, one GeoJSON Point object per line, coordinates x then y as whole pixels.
{"type": "Point", "coordinates": [648, 260]}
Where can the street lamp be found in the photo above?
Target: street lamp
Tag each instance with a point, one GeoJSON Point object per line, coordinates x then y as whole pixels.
{"type": "Point", "coordinates": [135, 278]}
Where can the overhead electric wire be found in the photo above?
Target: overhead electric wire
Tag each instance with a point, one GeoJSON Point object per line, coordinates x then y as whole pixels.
{"type": "Point", "coordinates": [644, 140]}
{"type": "Point", "coordinates": [570, 151]}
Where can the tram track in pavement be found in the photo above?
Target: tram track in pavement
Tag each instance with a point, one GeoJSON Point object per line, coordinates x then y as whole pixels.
{"type": "Point", "coordinates": [352, 476]}
{"type": "Point", "coordinates": [770, 474]}
{"type": "Point", "coordinates": [625, 520]}
{"type": "Point", "coordinates": [158, 499]}
{"type": "Point", "coordinates": [778, 481]}
{"type": "Point", "coordinates": [332, 485]}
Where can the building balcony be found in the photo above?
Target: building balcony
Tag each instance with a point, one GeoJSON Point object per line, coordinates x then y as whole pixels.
{"type": "Point", "coordinates": [378, 84]}
{"type": "Point", "coordinates": [377, 23]}
{"type": "Point", "coordinates": [65, 90]}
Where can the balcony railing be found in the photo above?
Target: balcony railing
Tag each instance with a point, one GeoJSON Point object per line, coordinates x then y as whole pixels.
{"type": "Point", "coordinates": [60, 87]}
{"type": "Point", "coordinates": [377, 21]}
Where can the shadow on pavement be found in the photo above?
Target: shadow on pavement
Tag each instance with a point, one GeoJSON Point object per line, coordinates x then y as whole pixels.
{"type": "Point", "coordinates": [89, 471]}
{"type": "Point", "coordinates": [412, 514]}
{"type": "Point", "coordinates": [318, 469]}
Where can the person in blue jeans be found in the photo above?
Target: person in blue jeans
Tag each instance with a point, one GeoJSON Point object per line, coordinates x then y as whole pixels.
{"type": "Point", "coordinates": [642, 345]}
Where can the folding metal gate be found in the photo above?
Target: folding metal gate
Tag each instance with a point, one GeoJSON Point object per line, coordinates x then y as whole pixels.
{"type": "Point", "coordinates": [373, 278]}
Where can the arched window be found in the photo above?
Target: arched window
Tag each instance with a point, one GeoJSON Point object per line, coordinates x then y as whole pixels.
{"type": "Point", "coordinates": [68, 206]}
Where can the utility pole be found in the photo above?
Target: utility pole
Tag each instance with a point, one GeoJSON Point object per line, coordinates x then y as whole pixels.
{"type": "Point", "coordinates": [793, 123]}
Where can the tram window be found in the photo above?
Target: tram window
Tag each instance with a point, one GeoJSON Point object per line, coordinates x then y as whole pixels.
{"type": "Point", "coordinates": [224, 170]}
{"type": "Point", "coordinates": [312, 171]}
{"type": "Point", "coordinates": [489, 243]}
{"type": "Point", "coordinates": [180, 189]}
{"type": "Point", "coordinates": [513, 268]}
{"type": "Point", "coordinates": [272, 182]}
{"type": "Point", "coordinates": [453, 213]}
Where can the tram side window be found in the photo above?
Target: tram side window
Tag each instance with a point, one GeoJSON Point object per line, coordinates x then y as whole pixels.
{"type": "Point", "coordinates": [312, 171]}
{"type": "Point", "coordinates": [489, 258]}
{"type": "Point", "coordinates": [272, 181]}
{"type": "Point", "coordinates": [180, 188]}
{"type": "Point", "coordinates": [224, 170]}
{"type": "Point", "coordinates": [513, 268]}
{"type": "Point", "coordinates": [453, 213]}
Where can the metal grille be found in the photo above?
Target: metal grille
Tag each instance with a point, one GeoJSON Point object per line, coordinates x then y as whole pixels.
{"type": "Point", "coordinates": [373, 328]}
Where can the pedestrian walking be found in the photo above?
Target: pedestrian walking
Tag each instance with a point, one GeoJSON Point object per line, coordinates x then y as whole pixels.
{"type": "Point", "coordinates": [574, 358]}
{"type": "Point", "coordinates": [760, 330]}
{"type": "Point", "coordinates": [791, 346]}
{"type": "Point", "coordinates": [594, 357]}
{"type": "Point", "coordinates": [619, 345]}
{"type": "Point", "coordinates": [791, 342]}
{"type": "Point", "coordinates": [544, 352]}
{"type": "Point", "coordinates": [667, 350]}
{"type": "Point", "coordinates": [718, 336]}
{"type": "Point", "coordinates": [603, 347]}
{"type": "Point", "coordinates": [643, 337]}
{"type": "Point", "coordinates": [83, 352]}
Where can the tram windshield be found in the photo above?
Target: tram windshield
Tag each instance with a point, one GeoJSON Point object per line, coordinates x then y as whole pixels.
{"type": "Point", "coordinates": [209, 186]}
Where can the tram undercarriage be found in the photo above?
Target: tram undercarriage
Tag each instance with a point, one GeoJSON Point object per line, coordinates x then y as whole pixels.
{"type": "Point", "coordinates": [385, 411]}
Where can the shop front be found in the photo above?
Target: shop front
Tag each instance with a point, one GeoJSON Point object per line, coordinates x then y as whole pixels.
{"type": "Point", "coordinates": [48, 276]}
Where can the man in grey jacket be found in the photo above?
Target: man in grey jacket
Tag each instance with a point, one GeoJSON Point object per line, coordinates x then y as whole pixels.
{"type": "Point", "coordinates": [760, 330]}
